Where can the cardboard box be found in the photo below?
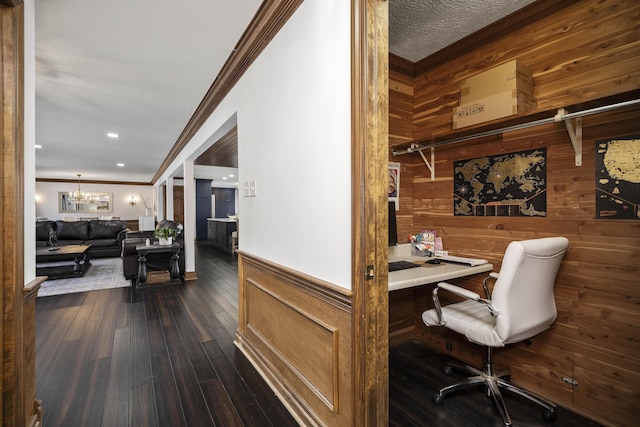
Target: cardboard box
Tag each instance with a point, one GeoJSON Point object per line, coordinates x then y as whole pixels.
{"type": "Point", "coordinates": [512, 75]}
{"type": "Point", "coordinates": [503, 104]}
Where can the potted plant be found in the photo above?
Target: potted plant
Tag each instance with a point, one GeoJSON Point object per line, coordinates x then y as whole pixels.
{"type": "Point", "coordinates": [165, 235]}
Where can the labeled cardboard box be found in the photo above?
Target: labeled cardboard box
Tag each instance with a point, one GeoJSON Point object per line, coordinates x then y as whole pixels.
{"type": "Point", "coordinates": [492, 107]}
{"type": "Point", "coordinates": [512, 75]}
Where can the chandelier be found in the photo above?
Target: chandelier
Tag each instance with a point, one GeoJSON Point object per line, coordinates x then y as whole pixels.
{"type": "Point", "coordinates": [80, 197]}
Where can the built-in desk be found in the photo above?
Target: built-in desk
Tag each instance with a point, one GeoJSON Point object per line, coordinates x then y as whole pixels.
{"type": "Point", "coordinates": [428, 273]}
{"type": "Point", "coordinates": [408, 298]}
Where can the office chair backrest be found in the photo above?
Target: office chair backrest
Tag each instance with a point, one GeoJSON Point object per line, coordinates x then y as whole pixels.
{"type": "Point", "coordinates": [523, 293]}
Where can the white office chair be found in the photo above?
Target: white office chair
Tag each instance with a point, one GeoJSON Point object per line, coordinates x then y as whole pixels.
{"type": "Point", "coordinates": [521, 305]}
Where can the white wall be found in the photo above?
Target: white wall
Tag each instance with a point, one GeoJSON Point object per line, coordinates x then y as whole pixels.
{"type": "Point", "coordinates": [47, 199]}
{"type": "Point", "coordinates": [29, 141]}
{"type": "Point", "coordinates": [293, 109]}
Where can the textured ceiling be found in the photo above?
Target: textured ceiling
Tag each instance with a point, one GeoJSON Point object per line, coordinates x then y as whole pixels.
{"type": "Point", "coordinates": [419, 28]}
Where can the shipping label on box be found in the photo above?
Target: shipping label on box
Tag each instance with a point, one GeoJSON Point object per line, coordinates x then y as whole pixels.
{"type": "Point", "coordinates": [512, 75]}
{"type": "Point", "coordinates": [493, 107]}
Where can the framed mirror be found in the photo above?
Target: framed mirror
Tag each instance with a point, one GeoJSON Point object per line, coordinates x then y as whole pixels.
{"type": "Point", "coordinates": [91, 203]}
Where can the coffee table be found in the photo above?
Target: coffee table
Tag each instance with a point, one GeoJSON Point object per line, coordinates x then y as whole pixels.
{"type": "Point", "coordinates": [79, 254]}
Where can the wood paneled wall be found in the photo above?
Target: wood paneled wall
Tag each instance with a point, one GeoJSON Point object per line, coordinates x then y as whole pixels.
{"type": "Point", "coordinates": [596, 338]}
{"type": "Point", "coordinates": [586, 54]}
{"type": "Point", "coordinates": [297, 331]}
{"type": "Point", "coordinates": [583, 52]}
{"type": "Point", "coordinates": [401, 89]}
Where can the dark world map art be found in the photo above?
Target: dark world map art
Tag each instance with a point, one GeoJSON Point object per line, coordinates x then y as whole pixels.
{"type": "Point", "coordinates": [512, 184]}
{"type": "Point", "coordinates": [618, 178]}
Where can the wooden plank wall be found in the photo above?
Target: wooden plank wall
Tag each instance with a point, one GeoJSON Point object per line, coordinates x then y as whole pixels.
{"type": "Point", "coordinates": [584, 55]}
{"type": "Point", "coordinates": [401, 87]}
{"type": "Point", "coordinates": [584, 52]}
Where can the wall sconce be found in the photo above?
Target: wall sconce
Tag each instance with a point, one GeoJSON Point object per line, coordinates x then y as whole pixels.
{"type": "Point", "coordinates": [132, 201]}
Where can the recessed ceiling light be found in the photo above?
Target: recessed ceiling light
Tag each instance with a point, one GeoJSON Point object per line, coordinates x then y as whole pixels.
{"type": "Point", "coordinates": [38, 146]}
{"type": "Point", "coordinates": [120, 165]}
{"type": "Point", "coordinates": [113, 135]}
{"type": "Point", "coordinates": [224, 177]}
{"type": "Point", "coordinates": [231, 176]}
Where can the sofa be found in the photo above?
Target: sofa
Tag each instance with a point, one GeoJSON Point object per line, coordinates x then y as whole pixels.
{"type": "Point", "coordinates": [158, 261]}
{"type": "Point", "coordinates": [104, 236]}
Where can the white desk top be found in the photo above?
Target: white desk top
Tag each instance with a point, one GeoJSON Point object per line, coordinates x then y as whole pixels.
{"type": "Point", "coordinates": [430, 273]}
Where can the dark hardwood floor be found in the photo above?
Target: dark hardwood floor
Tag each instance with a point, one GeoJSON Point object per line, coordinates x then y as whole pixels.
{"type": "Point", "coordinates": [416, 373]}
{"type": "Point", "coordinates": [161, 357]}
{"type": "Point", "coordinates": [165, 357]}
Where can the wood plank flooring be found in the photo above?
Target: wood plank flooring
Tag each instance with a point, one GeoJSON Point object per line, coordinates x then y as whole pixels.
{"type": "Point", "coordinates": [165, 357]}
{"type": "Point", "coordinates": [415, 374]}
{"type": "Point", "coordinates": [161, 357]}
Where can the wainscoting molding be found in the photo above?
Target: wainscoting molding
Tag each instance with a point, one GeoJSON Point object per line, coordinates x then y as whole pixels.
{"type": "Point", "coordinates": [296, 331]}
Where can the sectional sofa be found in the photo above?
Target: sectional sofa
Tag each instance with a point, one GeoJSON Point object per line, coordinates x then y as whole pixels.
{"type": "Point", "coordinates": [104, 236]}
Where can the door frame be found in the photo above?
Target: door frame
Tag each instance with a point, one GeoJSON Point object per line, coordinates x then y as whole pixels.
{"type": "Point", "coordinates": [370, 148]}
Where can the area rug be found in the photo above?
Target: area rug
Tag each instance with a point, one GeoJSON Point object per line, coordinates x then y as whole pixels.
{"type": "Point", "coordinates": [104, 273]}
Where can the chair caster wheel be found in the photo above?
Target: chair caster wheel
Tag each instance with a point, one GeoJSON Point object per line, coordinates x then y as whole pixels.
{"type": "Point", "coordinates": [438, 399]}
{"type": "Point", "coordinates": [548, 414]}
{"type": "Point", "coordinates": [448, 370]}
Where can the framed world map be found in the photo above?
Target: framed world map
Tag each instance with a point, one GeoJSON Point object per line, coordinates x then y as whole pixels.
{"type": "Point", "coordinates": [512, 184]}
{"type": "Point", "coordinates": [618, 178]}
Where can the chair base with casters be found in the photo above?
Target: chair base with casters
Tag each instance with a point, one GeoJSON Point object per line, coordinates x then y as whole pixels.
{"type": "Point", "coordinates": [493, 382]}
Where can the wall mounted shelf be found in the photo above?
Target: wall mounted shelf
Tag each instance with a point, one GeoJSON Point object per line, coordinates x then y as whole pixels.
{"type": "Point", "coordinates": [575, 134]}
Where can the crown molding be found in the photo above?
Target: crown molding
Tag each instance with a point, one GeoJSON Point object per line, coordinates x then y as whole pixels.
{"type": "Point", "coordinates": [270, 18]}
{"type": "Point", "coordinates": [85, 181]}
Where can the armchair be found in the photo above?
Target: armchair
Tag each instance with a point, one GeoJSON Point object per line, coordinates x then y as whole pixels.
{"type": "Point", "coordinates": [521, 305]}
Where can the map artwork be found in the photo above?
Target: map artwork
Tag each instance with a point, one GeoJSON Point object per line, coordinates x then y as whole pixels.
{"type": "Point", "coordinates": [618, 178]}
{"type": "Point", "coordinates": [513, 184]}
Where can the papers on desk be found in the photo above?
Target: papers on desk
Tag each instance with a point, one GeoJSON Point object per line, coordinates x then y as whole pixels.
{"type": "Point", "coordinates": [461, 260]}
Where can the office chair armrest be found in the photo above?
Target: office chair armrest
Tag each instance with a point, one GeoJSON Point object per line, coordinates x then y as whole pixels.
{"type": "Point", "coordinates": [453, 289]}
{"type": "Point", "coordinates": [462, 292]}
{"type": "Point", "coordinates": [493, 275]}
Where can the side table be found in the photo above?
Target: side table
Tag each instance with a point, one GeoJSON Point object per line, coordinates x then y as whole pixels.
{"type": "Point", "coordinates": [174, 269]}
